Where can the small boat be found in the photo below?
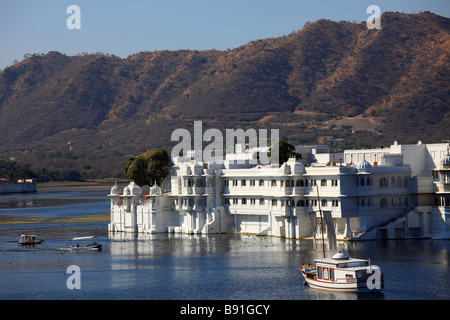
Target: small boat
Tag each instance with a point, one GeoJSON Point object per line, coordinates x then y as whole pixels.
{"type": "Point", "coordinates": [29, 239]}
{"type": "Point", "coordinates": [86, 243]}
{"type": "Point", "coordinates": [342, 273]}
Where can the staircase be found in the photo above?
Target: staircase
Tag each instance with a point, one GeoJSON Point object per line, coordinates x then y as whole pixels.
{"type": "Point", "coordinates": [265, 232]}
{"type": "Point", "coordinates": [372, 232]}
{"type": "Point", "coordinates": [215, 225]}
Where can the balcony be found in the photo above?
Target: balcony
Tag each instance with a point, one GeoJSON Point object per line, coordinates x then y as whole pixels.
{"type": "Point", "coordinates": [299, 211]}
{"type": "Point", "coordinates": [422, 185]}
{"type": "Point", "coordinates": [199, 190]}
{"type": "Point", "coordinates": [288, 191]}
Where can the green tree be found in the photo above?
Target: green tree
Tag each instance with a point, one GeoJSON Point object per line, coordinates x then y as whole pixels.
{"type": "Point", "coordinates": [149, 168]}
{"type": "Point", "coordinates": [127, 165]}
{"type": "Point", "coordinates": [286, 151]}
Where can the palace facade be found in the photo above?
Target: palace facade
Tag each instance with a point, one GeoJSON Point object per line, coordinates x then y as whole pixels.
{"type": "Point", "coordinates": [401, 191]}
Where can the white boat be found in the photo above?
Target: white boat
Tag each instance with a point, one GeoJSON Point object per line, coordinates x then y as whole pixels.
{"type": "Point", "coordinates": [342, 273]}
{"type": "Point", "coordinates": [86, 243]}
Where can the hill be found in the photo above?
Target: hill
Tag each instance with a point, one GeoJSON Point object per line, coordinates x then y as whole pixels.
{"type": "Point", "coordinates": [340, 79]}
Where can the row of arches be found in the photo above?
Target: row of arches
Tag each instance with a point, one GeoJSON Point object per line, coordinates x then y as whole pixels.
{"type": "Point", "coordinates": [276, 202]}
{"type": "Point", "coordinates": [394, 202]}
{"type": "Point", "coordinates": [442, 201]}
{"type": "Point", "coordinates": [198, 183]}
{"type": "Point", "coordinates": [288, 183]}
{"type": "Point", "coordinates": [394, 182]}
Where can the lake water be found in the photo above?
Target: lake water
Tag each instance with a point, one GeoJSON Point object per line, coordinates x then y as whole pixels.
{"type": "Point", "coordinates": [183, 267]}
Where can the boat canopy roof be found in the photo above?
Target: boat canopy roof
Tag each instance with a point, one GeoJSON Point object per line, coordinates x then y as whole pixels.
{"type": "Point", "coordinates": [83, 238]}
{"type": "Point", "coordinates": [349, 261]}
{"type": "Point", "coordinates": [339, 256]}
{"type": "Point", "coordinates": [342, 259]}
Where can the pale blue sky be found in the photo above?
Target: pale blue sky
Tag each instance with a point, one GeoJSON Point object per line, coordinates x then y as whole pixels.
{"type": "Point", "coordinates": [126, 27]}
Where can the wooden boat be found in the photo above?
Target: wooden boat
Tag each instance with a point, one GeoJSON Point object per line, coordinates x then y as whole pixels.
{"type": "Point", "coordinates": [86, 243]}
{"type": "Point", "coordinates": [29, 239]}
{"type": "Point", "coordinates": [342, 273]}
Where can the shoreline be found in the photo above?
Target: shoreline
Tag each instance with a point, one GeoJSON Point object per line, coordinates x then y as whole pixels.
{"type": "Point", "coordinates": [80, 184]}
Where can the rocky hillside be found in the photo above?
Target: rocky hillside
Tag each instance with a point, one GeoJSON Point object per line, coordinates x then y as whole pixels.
{"type": "Point", "coordinates": [367, 87]}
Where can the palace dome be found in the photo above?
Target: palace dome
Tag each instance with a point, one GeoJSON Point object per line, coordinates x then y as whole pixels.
{"type": "Point", "coordinates": [134, 189]}
{"type": "Point", "coordinates": [155, 190]}
{"type": "Point", "coordinates": [364, 166]}
{"type": "Point", "coordinates": [296, 166]}
{"type": "Point", "coordinates": [115, 190]}
{"type": "Point", "coordinates": [198, 169]}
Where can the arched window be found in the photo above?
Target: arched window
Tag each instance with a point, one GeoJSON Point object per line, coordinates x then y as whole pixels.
{"type": "Point", "coordinates": [383, 182]}
{"type": "Point", "coordinates": [300, 203]}
{"type": "Point", "coordinates": [261, 201]}
{"type": "Point", "coordinates": [405, 182]}
{"type": "Point", "coordinates": [274, 202]}
{"type": "Point", "coordinates": [324, 203]}
{"type": "Point", "coordinates": [243, 183]}
{"type": "Point", "coordinates": [288, 183]}
{"type": "Point", "coordinates": [274, 183]}
{"type": "Point", "coordinates": [261, 183]}
{"type": "Point", "coordinates": [299, 183]}
{"type": "Point", "coordinates": [323, 182]}
{"type": "Point", "coordinates": [362, 181]}
{"type": "Point", "coordinates": [244, 201]}
{"type": "Point", "coordinates": [392, 182]}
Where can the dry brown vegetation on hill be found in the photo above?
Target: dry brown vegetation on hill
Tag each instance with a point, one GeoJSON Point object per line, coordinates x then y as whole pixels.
{"type": "Point", "coordinates": [370, 87]}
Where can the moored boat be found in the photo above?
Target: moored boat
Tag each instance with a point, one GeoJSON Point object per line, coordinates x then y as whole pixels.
{"type": "Point", "coordinates": [342, 273]}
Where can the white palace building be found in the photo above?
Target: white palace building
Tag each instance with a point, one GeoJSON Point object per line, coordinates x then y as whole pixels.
{"type": "Point", "coordinates": [396, 192]}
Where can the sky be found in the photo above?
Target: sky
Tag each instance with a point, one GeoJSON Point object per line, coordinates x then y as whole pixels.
{"type": "Point", "coordinates": [123, 27]}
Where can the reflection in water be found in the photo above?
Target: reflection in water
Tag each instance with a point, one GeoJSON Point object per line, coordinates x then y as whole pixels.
{"type": "Point", "coordinates": [179, 244]}
{"type": "Point", "coordinates": [177, 266]}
